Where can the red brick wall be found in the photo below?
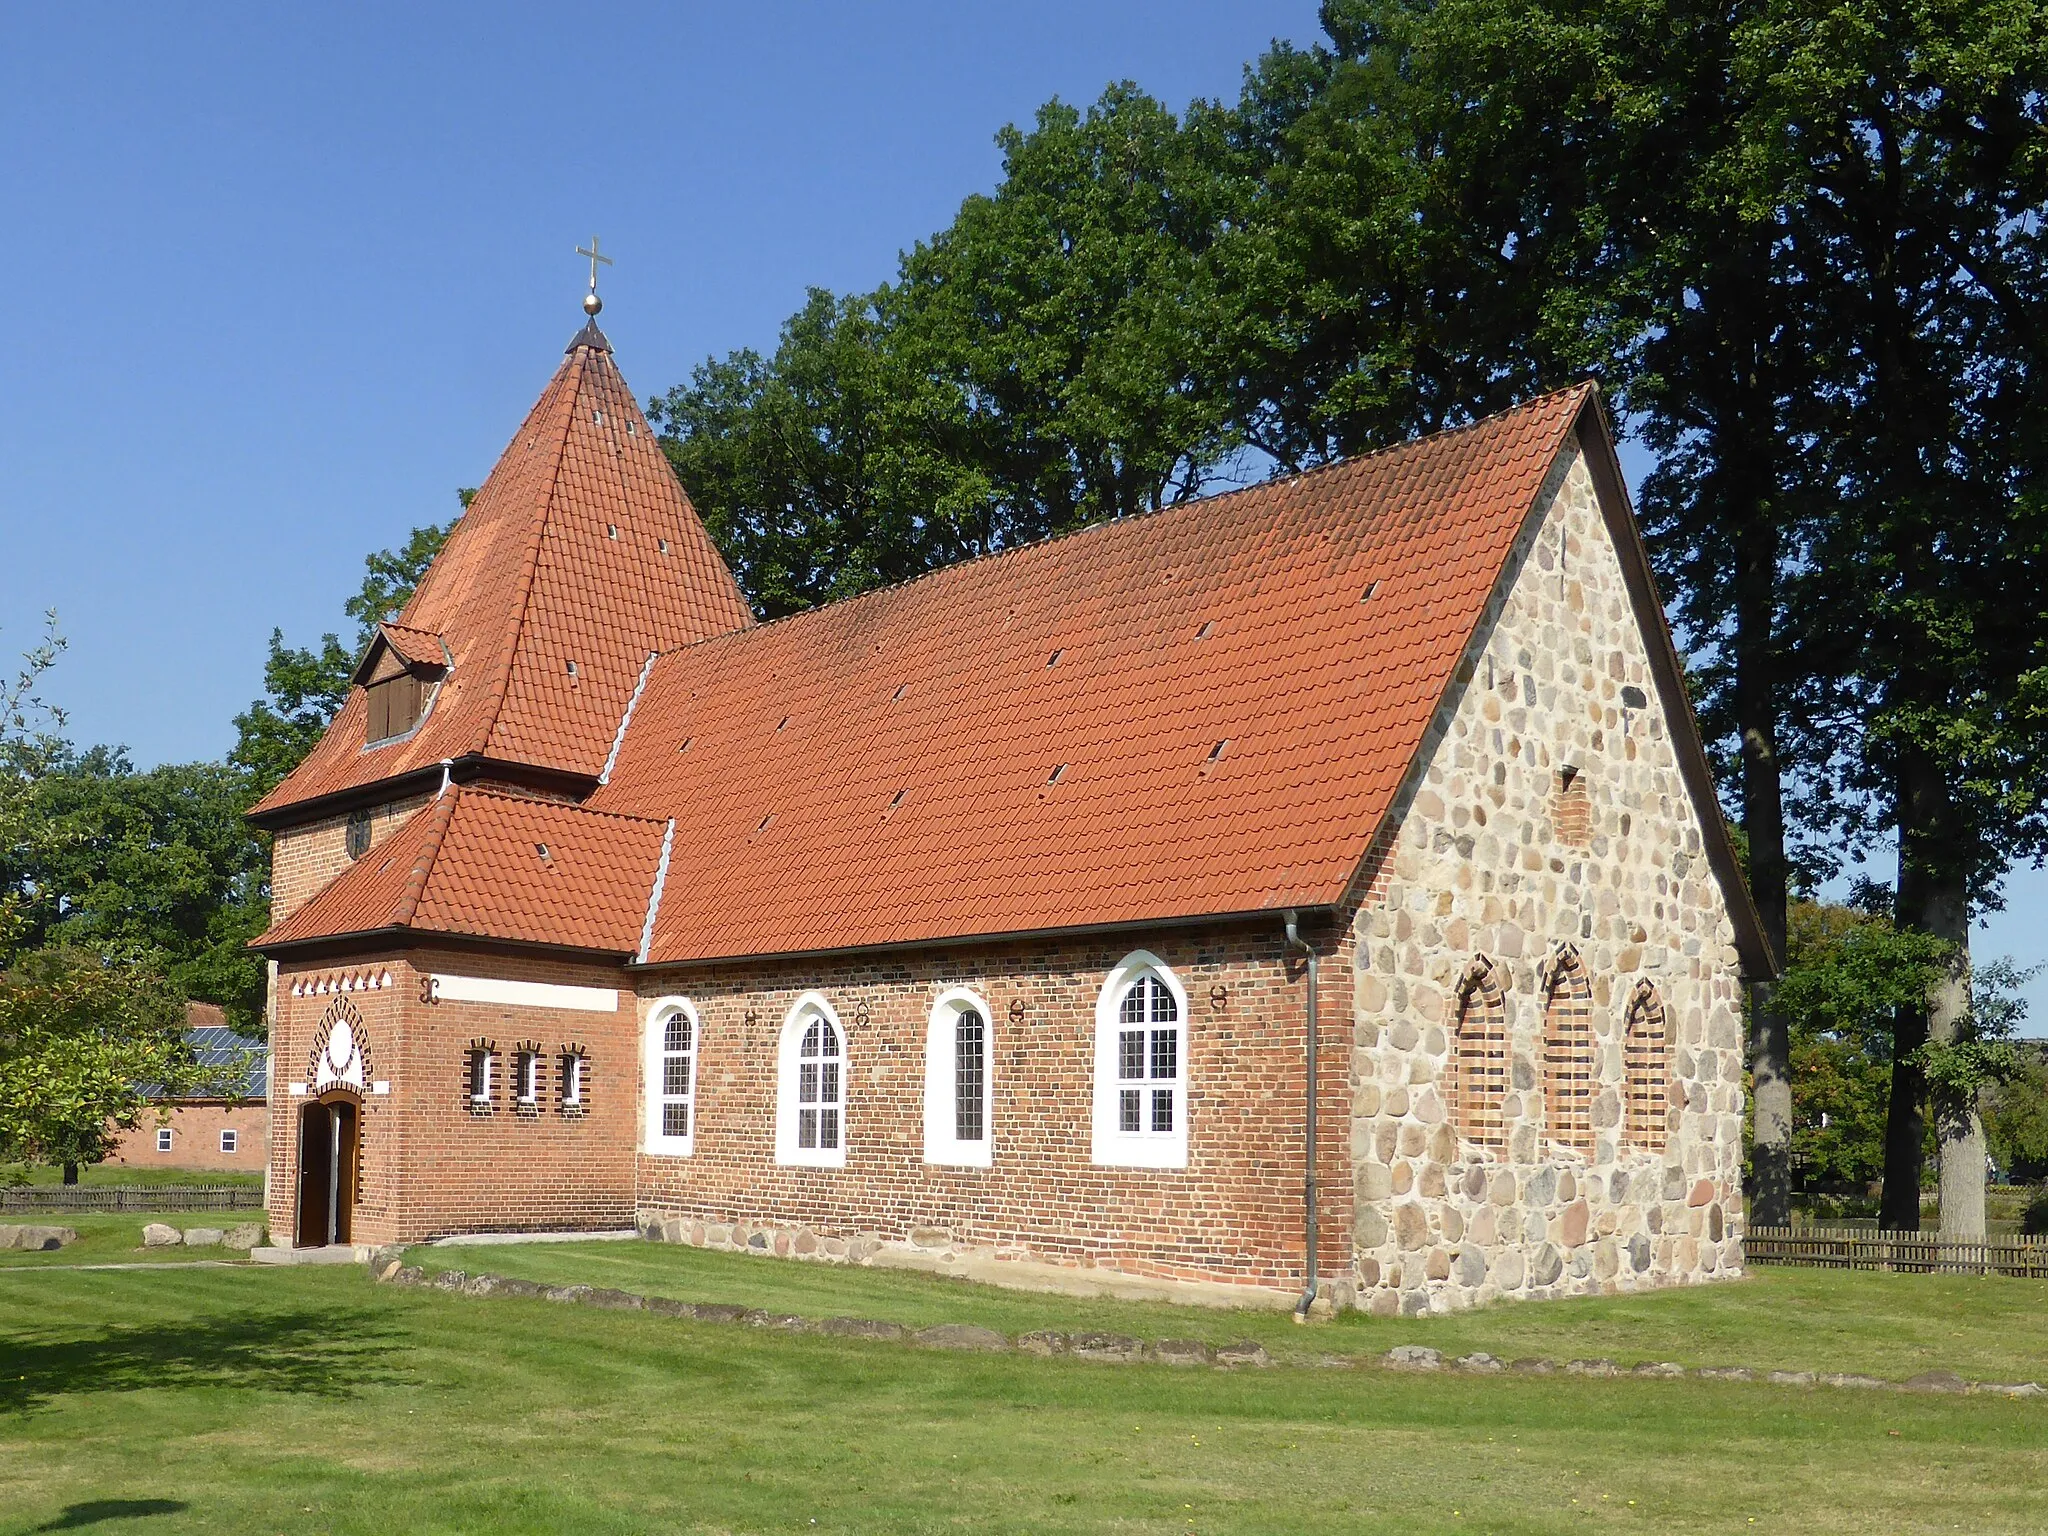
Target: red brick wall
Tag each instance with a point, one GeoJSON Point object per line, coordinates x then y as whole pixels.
{"type": "Point", "coordinates": [306, 857]}
{"type": "Point", "coordinates": [429, 1164]}
{"type": "Point", "coordinates": [195, 1139]}
{"type": "Point", "coordinates": [1234, 1213]}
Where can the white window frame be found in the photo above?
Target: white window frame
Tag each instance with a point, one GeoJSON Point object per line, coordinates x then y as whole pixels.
{"type": "Point", "coordinates": [482, 1074]}
{"type": "Point", "coordinates": [658, 1016]}
{"type": "Point", "coordinates": [1113, 1146]}
{"type": "Point", "coordinates": [812, 1005]}
{"type": "Point", "coordinates": [230, 1141]}
{"type": "Point", "coordinates": [527, 1066]}
{"type": "Point", "coordinates": [574, 1065]}
{"type": "Point", "coordinates": [163, 1138]}
{"type": "Point", "coordinates": [942, 1143]}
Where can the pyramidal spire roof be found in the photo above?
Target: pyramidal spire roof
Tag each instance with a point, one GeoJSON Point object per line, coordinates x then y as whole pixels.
{"type": "Point", "coordinates": [578, 559]}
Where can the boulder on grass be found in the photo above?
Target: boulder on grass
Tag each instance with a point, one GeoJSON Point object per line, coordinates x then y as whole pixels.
{"type": "Point", "coordinates": [36, 1239]}
{"type": "Point", "coordinates": [248, 1235]}
{"type": "Point", "coordinates": [204, 1237]}
{"type": "Point", "coordinates": [161, 1235]}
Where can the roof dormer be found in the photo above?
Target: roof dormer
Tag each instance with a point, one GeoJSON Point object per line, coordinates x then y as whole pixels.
{"type": "Point", "coordinates": [398, 675]}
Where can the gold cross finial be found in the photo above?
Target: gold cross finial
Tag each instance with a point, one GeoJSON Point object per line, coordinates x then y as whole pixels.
{"type": "Point", "coordinates": [591, 302]}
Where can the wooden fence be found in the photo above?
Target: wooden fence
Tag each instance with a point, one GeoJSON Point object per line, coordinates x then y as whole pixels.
{"type": "Point", "coordinates": [132, 1197]}
{"type": "Point", "coordinates": [1913, 1253]}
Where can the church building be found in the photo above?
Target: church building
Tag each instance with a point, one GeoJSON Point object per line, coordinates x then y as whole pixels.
{"type": "Point", "coordinates": [1317, 890]}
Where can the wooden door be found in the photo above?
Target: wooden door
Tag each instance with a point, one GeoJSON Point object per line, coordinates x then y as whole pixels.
{"type": "Point", "coordinates": [347, 1131]}
{"type": "Point", "coordinates": [316, 1174]}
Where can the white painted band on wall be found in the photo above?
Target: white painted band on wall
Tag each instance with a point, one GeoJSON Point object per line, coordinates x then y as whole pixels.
{"type": "Point", "coordinates": [524, 994]}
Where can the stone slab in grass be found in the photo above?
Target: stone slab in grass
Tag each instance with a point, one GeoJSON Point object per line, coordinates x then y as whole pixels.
{"type": "Point", "coordinates": [36, 1239]}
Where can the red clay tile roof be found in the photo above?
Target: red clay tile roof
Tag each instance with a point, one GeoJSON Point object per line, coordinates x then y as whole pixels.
{"type": "Point", "coordinates": [472, 863]}
{"type": "Point", "coordinates": [414, 646]}
{"type": "Point", "coordinates": [1199, 711]}
{"type": "Point", "coordinates": [580, 548]}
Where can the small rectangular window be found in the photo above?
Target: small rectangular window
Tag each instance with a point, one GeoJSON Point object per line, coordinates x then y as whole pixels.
{"type": "Point", "coordinates": [228, 1142]}
{"type": "Point", "coordinates": [163, 1139]}
{"type": "Point", "coordinates": [526, 1069]}
{"type": "Point", "coordinates": [1128, 1115]}
{"type": "Point", "coordinates": [479, 1076]}
{"type": "Point", "coordinates": [572, 1080]}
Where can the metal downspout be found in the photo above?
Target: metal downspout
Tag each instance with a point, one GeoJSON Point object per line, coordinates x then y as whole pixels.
{"type": "Point", "coordinates": [1308, 1171]}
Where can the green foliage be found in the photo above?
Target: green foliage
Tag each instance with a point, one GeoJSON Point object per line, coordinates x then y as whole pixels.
{"type": "Point", "coordinates": [154, 868]}
{"type": "Point", "coordinates": [83, 1044]}
{"type": "Point", "coordinates": [304, 689]}
{"type": "Point", "coordinates": [2034, 1222]}
{"type": "Point", "coordinates": [392, 574]}
{"type": "Point", "coordinates": [2016, 1117]}
{"type": "Point", "coordinates": [1046, 361]}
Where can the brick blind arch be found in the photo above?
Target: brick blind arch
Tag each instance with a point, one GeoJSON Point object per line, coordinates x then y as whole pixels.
{"type": "Point", "coordinates": [1568, 1051]}
{"type": "Point", "coordinates": [1479, 1055]}
{"type": "Point", "coordinates": [1646, 1055]}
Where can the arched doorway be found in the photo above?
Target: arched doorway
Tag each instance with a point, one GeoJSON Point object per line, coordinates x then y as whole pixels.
{"type": "Point", "coordinates": [329, 1133]}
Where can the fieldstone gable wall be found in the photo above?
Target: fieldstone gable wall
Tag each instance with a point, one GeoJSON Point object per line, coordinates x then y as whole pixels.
{"type": "Point", "coordinates": [1549, 830]}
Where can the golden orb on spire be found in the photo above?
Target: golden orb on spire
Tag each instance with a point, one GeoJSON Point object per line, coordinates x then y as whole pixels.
{"type": "Point", "coordinates": [592, 303]}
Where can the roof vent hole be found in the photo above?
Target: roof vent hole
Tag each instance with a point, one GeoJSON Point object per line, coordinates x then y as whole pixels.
{"type": "Point", "coordinates": [1370, 588]}
{"type": "Point", "coordinates": [1216, 751]}
{"type": "Point", "coordinates": [1056, 774]}
{"type": "Point", "coordinates": [686, 744]}
{"type": "Point", "coordinates": [898, 800]}
{"type": "Point", "coordinates": [764, 822]}
{"type": "Point", "coordinates": [901, 689]}
{"type": "Point", "coordinates": [1203, 632]}
{"type": "Point", "coordinates": [1054, 659]}
{"type": "Point", "coordinates": [662, 545]}
{"type": "Point", "coordinates": [611, 530]}
{"type": "Point", "coordinates": [542, 850]}
{"type": "Point", "coordinates": [572, 670]}
{"type": "Point", "coordinates": [782, 722]}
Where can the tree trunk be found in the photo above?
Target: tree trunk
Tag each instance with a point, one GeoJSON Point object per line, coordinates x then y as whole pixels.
{"type": "Point", "coordinates": [1933, 899]}
{"type": "Point", "coordinates": [1763, 822]}
{"type": "Point", "coordinates": [1958, 1130]}
{"type": "Point", "coordinates": [71, 1173]}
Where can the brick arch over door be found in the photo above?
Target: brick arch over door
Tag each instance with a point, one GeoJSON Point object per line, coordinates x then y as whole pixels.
{"type": "Point", "coordinates": [1568, 1051]}
{"type": "Point", "coordinates": [1479, 1055]}
{"type": "Point", "coordinates": [1646, 1057]}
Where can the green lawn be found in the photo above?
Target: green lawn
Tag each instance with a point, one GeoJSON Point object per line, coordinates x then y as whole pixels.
{"type": "Point", "coordinates": [116, 1238]}
{"type": "Point", "coordinates": [1893, 1326]}
{"type": "Point", "coordinates": [259, 1399]}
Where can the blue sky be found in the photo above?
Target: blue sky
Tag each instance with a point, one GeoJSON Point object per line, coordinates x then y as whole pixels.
{"type": "Point", "coordinates": [280, 281]}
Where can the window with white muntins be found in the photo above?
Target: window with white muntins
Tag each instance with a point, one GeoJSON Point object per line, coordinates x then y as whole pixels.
{"type": "Point", "coordinates": [672, 1029]}
{"type": "Point", "coordinates": [810, 1086]}
{"type": "Point", "coordinates": [1141, 1091]}
{"type": "Point", "coordinates": [959, 1055]}
{"type": "Point", "coordinates": [163, 1139]}
{"type": "Point", "coordinates": [229, 1141]}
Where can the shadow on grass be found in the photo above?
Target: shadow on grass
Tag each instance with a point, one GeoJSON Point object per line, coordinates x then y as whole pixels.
{"type": "Point", "coordinates": [321, 1354]}
{"type": "Point", "coordinates": [96, 1511]}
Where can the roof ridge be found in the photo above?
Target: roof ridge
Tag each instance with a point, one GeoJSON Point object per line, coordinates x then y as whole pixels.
{"type": "Point", "coordinates": [441, 811]}
{"type": "Point", "coordinates": [1587, 385]}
